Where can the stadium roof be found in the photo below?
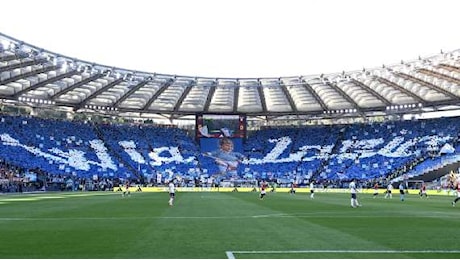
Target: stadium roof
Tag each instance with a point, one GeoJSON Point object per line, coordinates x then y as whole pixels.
{"type": "Point", "coordinates": [36, 77]}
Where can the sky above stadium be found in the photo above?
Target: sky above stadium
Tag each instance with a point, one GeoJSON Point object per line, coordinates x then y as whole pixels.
{"type": "Point", "coordinates": [237, 38]}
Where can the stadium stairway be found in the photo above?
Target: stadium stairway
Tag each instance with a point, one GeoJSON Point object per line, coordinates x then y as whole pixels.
{"type": "Point", "coordinates": [441, 169]}
{"type": "Point", "coordinates": [101, 136]}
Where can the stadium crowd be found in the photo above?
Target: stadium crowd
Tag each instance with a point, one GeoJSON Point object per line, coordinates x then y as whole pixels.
{"type": "Point", "coordinates": [47, 154]}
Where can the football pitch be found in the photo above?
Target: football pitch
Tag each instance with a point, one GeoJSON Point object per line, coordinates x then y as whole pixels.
{"type": "Point", "coordinates": [226, 225]}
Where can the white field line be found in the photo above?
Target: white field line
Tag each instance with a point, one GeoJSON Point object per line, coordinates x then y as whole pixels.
{"type": "Point", "coordinates": [231, 254]}
{"type": "Point", "coordinates": [5, 218]}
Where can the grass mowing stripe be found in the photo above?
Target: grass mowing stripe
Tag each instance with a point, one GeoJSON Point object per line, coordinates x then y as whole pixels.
{"type": "Point", "coordinates": [215, 217]}
{"type": "Point", "coordinates": [302, 228]}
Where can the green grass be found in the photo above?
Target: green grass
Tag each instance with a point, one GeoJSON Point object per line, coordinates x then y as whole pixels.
{"type": "Point", "coordinates": [218, 225]}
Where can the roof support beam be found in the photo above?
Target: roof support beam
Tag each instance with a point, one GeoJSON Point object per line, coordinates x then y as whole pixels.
{"type": "Point", "coordinates": [236, 92]}
{"type": "Point", "coordinates": [449, 67]}
{"type": "Point", "coordinates": [97, 92]}
{"type": "Point", "coordinates": [45, 82]}
{"type": "Point", "coordinates": [288, 96]}
{"type": "Point", "coordinates": [442, 76]}
{"type": "Point", "coordinates": [398, 87]}
{"type": "Point", "coordinates": [76, 85]}
{"type": "Point", "coordinates": [344, 95]}
{"type": "Point", "coordinates": [314, 94]}
{"type": "Point", "coordinates": [8, 57]}
{"type": "Point", "coordinates": [184, 95]}
{"type": "Point", "coordinates": [373, 92]}
{"type": "Point", "coordinates": [262, 98]}
{"type": "Point", "coordinates": [209, 97]}
{"type": "Point", "coordinates": [27, 74]}
{"type": "Point", "coordinates": [23, 64]}
{"type": "Point", "coordinates": [129, 93]}
{"type": "Point", "coordinates": [165, 85]}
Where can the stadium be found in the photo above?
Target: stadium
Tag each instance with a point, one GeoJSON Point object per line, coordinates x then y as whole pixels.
{"type": "Point", "coordinates": [73, 133]}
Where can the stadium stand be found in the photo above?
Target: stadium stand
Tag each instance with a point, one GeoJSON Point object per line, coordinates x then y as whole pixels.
{"type": "Point", "coordinates": [73, 124]}
{"type": "Point", "coordinates": [325, 153]}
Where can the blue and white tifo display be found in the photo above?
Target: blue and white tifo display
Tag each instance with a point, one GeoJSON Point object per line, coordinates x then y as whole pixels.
{"type": "Point", "coordinates": [363, 151]}
{"type": "Point", "coordinates": [212, 144]}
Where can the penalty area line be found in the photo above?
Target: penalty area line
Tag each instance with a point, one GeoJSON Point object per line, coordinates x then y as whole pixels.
{"type": "Point", "coordinates": [231, 254]}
